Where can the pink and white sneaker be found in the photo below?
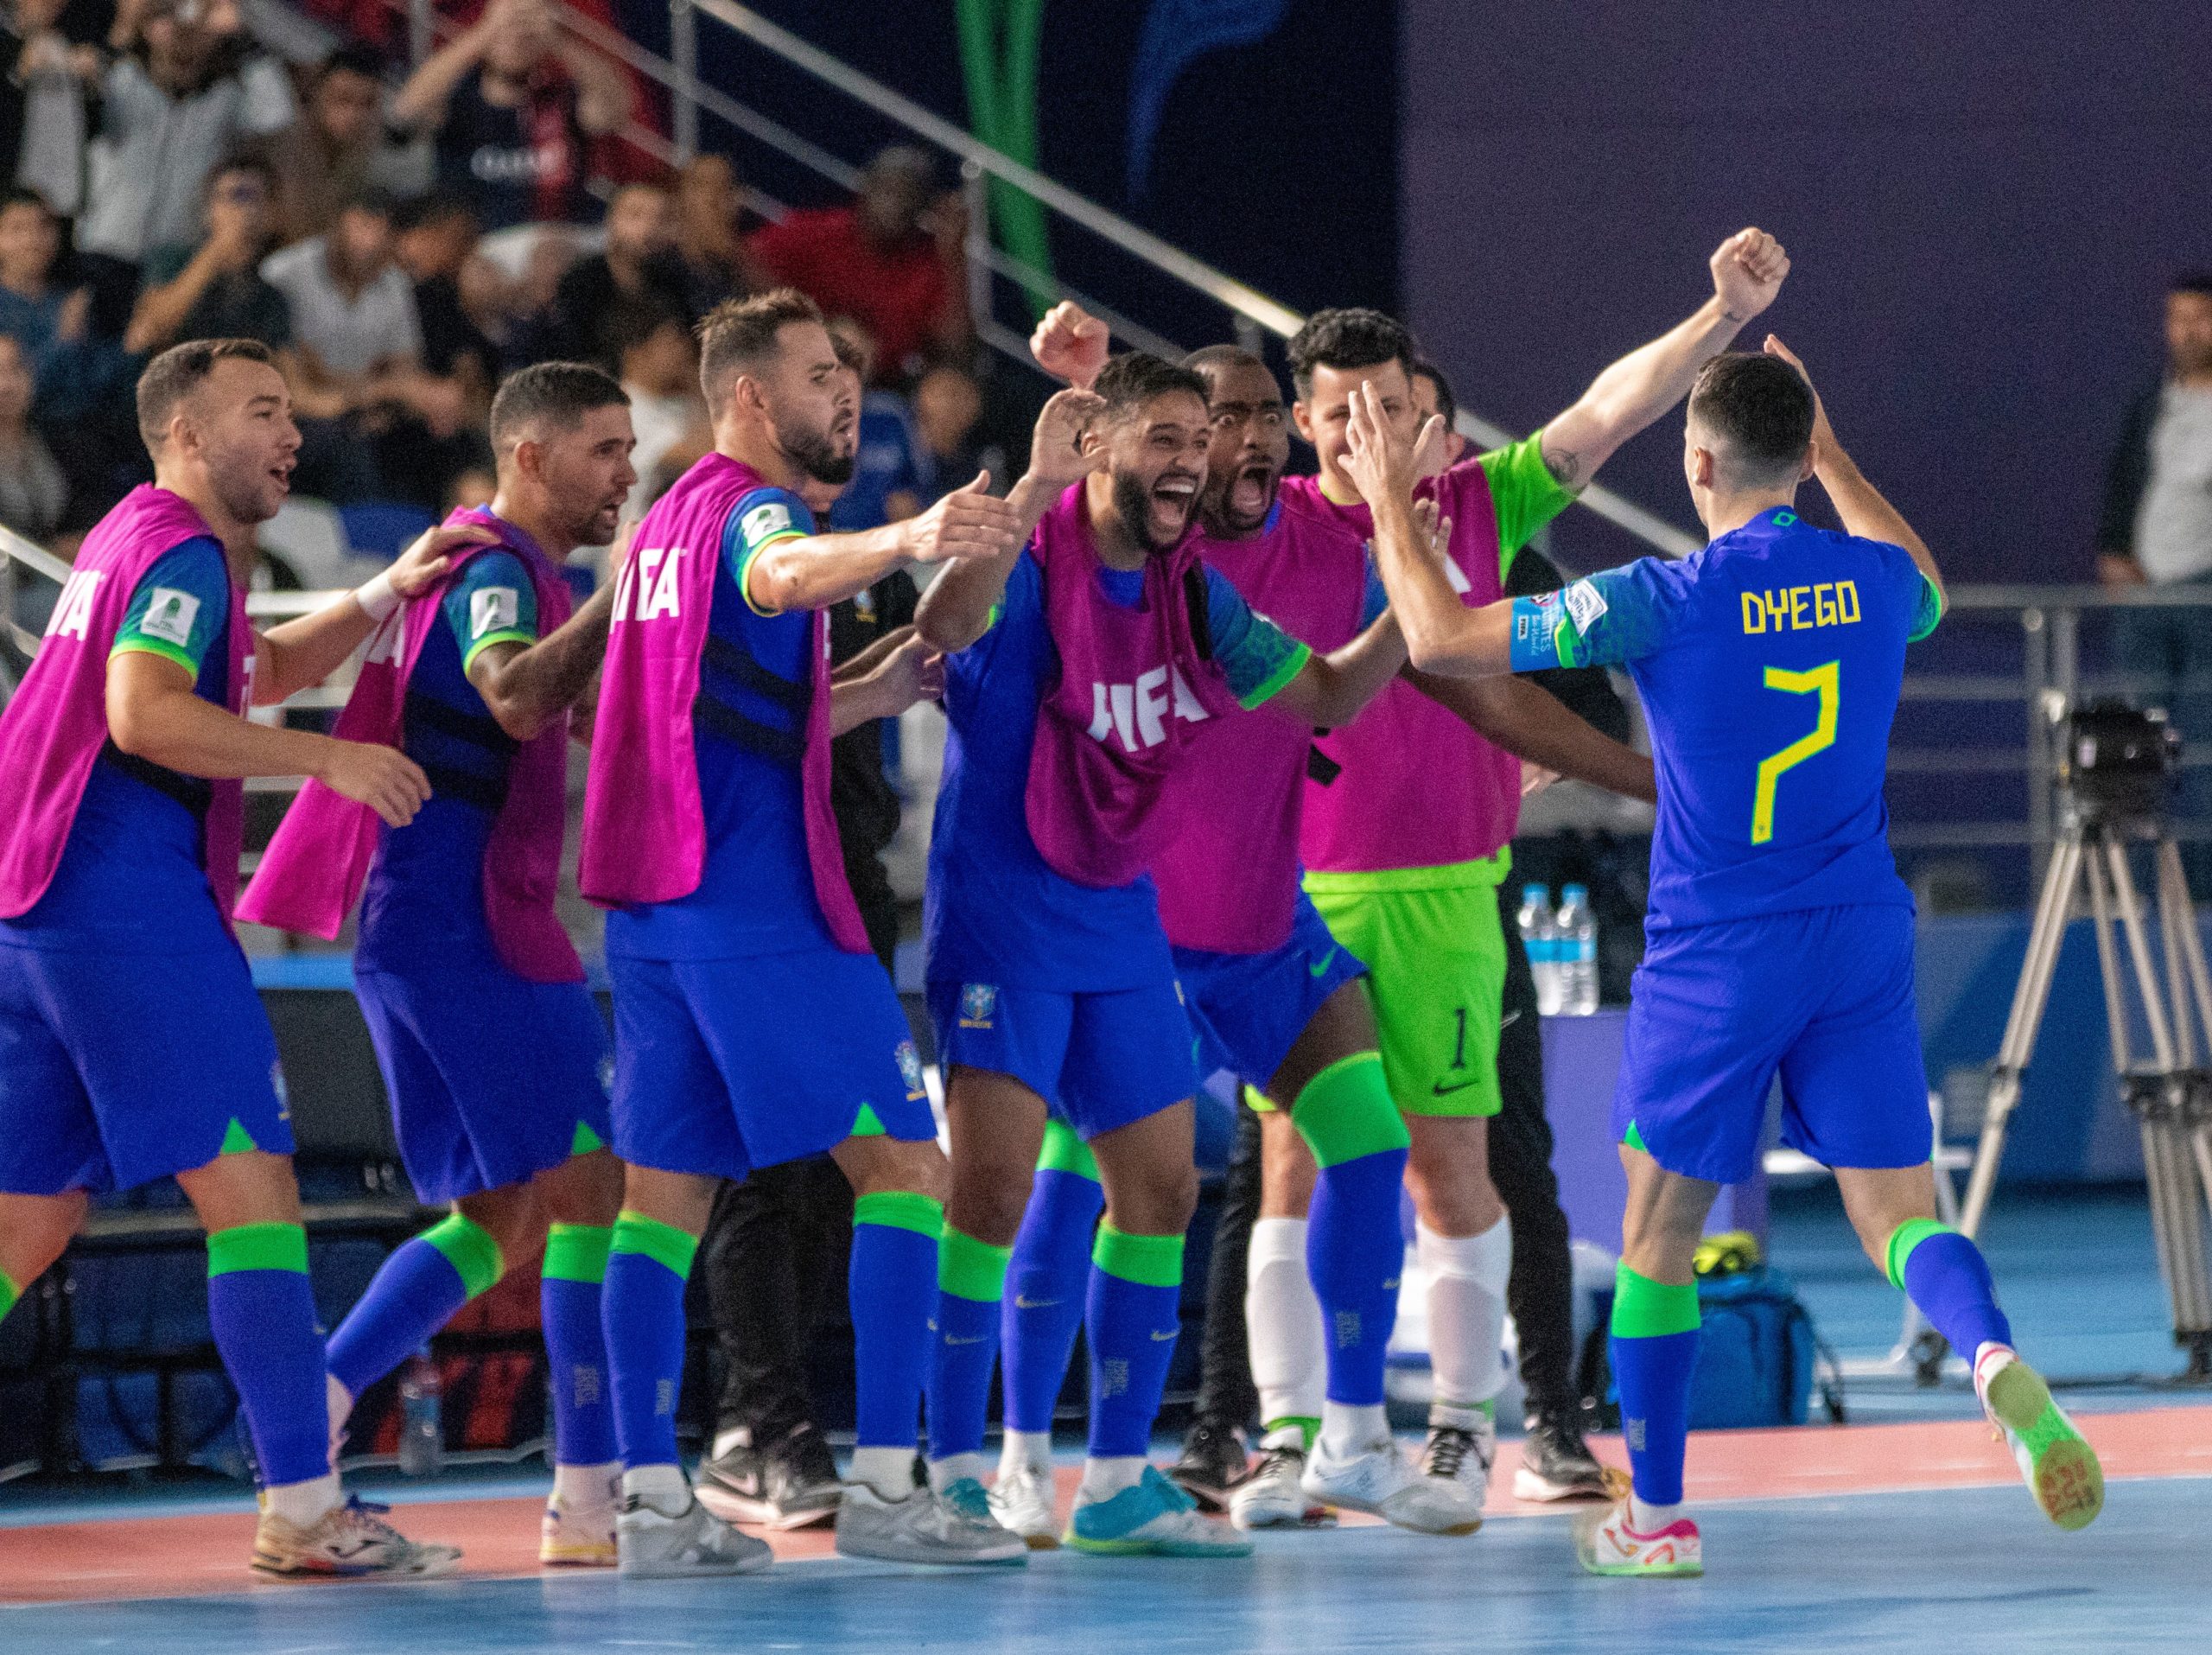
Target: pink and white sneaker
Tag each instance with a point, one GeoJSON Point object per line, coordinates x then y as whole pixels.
{"type": "Point", "coordinates": [2059, 1467]}
{"type": "Point", "coordinates": [1605, 1544]}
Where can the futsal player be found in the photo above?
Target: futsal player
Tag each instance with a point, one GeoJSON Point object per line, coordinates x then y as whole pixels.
{"type": "Point", "coordinates": [132, 1045]}
{"type": "Point", "coordinates": [753, 1025]}
{"type": "Point", "coordinates": [1405, 841]}
{"type": "Point", "coordinates": [491, 1047]}
{"type": "Point", "coordinates": [1083, 670]}
{"type": "Point", "coordinates": [1781, 937]}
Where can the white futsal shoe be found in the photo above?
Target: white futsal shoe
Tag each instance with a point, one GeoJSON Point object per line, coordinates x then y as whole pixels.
{"type": "Point", "coordinates": [1273, 1498]}
{"type": "Point", "coordinates": [2060, 1467]}
{"type": "Point", "coordinates": [1377, 1479]}
{"type": "Point", "coordinates": [348, 1542]}
{"type": "Point", "coordinates": [955, 1526]}
{"type": "Point", "coordinates": [653, 1547]}
{"type": "Point", "coordinates": [1024, 1500]}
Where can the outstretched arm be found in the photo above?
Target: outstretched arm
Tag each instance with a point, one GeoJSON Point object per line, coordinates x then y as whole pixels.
{"type": "Point", "coordinates": [1532, 724]}
{"type": "Point", "coordinates": [815, 570]}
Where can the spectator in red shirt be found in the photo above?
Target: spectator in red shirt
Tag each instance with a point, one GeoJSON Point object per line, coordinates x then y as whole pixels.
{"type": "Point", "coordinates": [881, 261]}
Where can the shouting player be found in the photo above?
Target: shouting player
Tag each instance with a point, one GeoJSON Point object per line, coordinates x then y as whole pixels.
{"type": "Point", "coordinates": [1780, 935]}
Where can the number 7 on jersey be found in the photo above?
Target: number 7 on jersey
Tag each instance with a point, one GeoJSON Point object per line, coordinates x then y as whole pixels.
{"type": "Point", "coordinates": [1823, 681]}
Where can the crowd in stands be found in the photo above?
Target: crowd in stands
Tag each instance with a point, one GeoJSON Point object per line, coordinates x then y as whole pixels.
{"type": "Point", "coordinates": [403, 240]}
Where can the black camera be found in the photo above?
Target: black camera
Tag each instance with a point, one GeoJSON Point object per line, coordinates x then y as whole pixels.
{"type": "Point", "coordinates": [2117, 758]}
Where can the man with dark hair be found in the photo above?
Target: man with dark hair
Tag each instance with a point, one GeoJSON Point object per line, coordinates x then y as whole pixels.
{"type": "Point", "coordinates": [137, 1047]}
{"type": "Point", "coordinates": [462, 966]}
{"type": "Point", "coordinates": [752, 1025]}
{"type": "Point", "coordinates": [637, 265]}
{"type": "Point", "coordinates": [1769, 667]}
{"type": "Point", "coordinates": [1085, 669]}
{"type": "Point", "coordinates": [336, 150]}
{"type": "Point", "coordinates": [1408, 838]}
{"type": "Point", "coordinates": [214, 290]}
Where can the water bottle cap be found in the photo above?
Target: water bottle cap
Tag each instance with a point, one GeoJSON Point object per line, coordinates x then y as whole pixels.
{"type": "Point", "coordinates": [1536, 894]}
{"type": "Point", "coordinates": [1569, 892]}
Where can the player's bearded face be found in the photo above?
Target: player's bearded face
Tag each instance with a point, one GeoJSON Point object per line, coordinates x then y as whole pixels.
{"type": "Point", "coordinates": [814, 410]}
{"type": "Point", "coordinates": [587, 470]}
{"type": "Point", "coordinates": [243, 417]}
{"type": "Point", "coordinates": [1156, 459]}
{"type": "Point", "coordinates": [1248, 447]}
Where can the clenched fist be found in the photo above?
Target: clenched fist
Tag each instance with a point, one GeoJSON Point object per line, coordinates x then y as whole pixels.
{"type": "Point", "coordinates": [1747, 272]}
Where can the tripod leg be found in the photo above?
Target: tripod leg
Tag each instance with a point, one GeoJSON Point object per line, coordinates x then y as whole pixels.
{"type": "Point", "coordinates": [2175, 1159]}
{"type": "Point", "coordinates": [2176, 922]}
{"type": "Point", "coordinates": [2117, 1029]}
{"type": "Point", "coordinates": [2139, 950]}
{"type": "Point", "coordinates": [2191, 938]}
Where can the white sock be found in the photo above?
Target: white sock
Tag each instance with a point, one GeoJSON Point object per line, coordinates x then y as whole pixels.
{"type": "Point", "coordinates": [1649, 1519]}
{"type": "Point", "coordinates": [890, 1472]}
{"type": "Point", "coordinates": [1104, 1479]}
{"type": "Point", "coordinates": [737, 1437]}
{"type": "Point", "coordinates": [1466, 1310]}
{"type": "Point", "coordinates": [585, 1488]}
{"type": "Point", "coordinates": [1032, 1450]}
{"type": "Point", "coordinates": [949, 1470]}
{"type": "Point", "coordinates": [1283, 1320]}
{"type": "Point", "coordinates": [661, 1487]}
{"type": "Point", "coordinates": [303, 1504]}
{"type": "Point", "coordinates": [1347, 1429]}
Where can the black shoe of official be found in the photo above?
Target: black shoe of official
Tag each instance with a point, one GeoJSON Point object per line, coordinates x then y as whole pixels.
{"type": "Point", "coordinates": [1214, 1461]}
{"type": "Point", "coordinates": [790, 1484]}
{"type": "Point", "coordinates": [1556, 1464]}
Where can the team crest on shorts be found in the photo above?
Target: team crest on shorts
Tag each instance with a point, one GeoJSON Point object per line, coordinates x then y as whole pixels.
{"type": "Point", "coordinates": [283, 1093]}
{"type": "Point", "coordinates": [910, 1070]}
{"type": "Point", "coordinates": [979, 1004]}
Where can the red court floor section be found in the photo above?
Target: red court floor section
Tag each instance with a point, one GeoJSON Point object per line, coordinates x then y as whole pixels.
{"type": "Point", "coordinates": [155, 1557]}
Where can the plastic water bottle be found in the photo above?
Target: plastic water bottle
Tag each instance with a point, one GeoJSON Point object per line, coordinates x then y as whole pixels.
{"type": "Point", "coordinates": [1539, 936]}
{"type": "Point", "coordinates": [1576, 930]}
{"type": "Point", "coordinates": [422, 1426]}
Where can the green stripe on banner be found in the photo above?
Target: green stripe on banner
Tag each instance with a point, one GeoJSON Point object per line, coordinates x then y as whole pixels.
{"type": "Point", "coordinates": [577, 1252]}
{"type": "Point", "coordinates": [1149, 1261]}
{"type": "Point", "coordinates": [1346, 1112]}
{"type": "Point", "coordinates": [471, 1250]}
{"type": "Point", "coordinates": [1064, 1152]}
{"type": "Point", "coordinates": [902, 1209]}
{"type": "Point", "coordinates": [1904, 1239]}
{"type": "Point", "coordinates": [1643, 1308]}
{"type": "Point", "coordinates": [636, 1233]}
{"type": "Point", "coordinates": [969, 1269]}
{"type": "Point", "coordinates": [257, 1246]}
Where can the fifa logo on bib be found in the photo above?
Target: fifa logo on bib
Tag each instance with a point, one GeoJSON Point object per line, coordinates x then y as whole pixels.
{"type": "Point", "coordinates": [1136, 714]}
{"type": "Point", "coordinates": [72, 611]}
{"type": "Point", "coordinates": [649, 586]}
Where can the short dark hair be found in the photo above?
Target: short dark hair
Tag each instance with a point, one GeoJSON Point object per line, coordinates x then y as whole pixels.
{"type": "Point", "coordinates": [181, 370]}
{"type": "Point", "coordinates": [1447, 403]}
{"type": "Point", "coordinates": [2192, 280]}
{"type": "Point", "coordinates": [1134, 378]}
{"type": "Point", "coordinates": [633, 320]}
{"type": "Point", "coordinates": [741, 334]}
{"type": "Point", "coordinates": [242, 161]}
{"type": "Point", "coordinates": [24, 195]}
{"type": "Point", "coordinates": [561, 392]}
{"type": "Point", "coordinates": [1223, 356]}
{"type": "Point", "coordinates": [1349, 337]}
{"type": "Point", "coordinates": [363, 60]}
{"type": "Point", "coordinates": [1761, 408]}
{"type": "Point", "coordinates": [423, 210]}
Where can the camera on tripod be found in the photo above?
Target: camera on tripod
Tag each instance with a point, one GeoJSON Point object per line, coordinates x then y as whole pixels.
{"type": "Point", "coordinates": [2115, 759]}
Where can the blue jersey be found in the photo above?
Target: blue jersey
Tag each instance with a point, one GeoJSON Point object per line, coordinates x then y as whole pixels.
{"type": "Point", "coordinates": [1770, 665]}
{"type": "Point", "coordinates": [424, 902]}
{"type": "Point", "coordinates": [995, 913]}
{"type": "Point", "coordinates": [131, 879]}
{"type": "Point", "coordinates": [756, 889]}
{"type": "Point", "coordinates": [887, 461]}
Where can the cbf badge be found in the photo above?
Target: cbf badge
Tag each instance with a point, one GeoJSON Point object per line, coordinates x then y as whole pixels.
{"type": "Point", "coordinates": [910, 1070]}
{"type": "Point", "coordinates": [979, 1002]}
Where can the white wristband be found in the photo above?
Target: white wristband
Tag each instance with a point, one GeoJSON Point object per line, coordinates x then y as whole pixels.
{"type": "Point", "coordinates": [378, 597]}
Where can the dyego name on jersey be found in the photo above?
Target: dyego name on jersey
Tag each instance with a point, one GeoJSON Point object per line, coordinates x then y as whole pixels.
{"type": "Point", "coordinates": [1802, 608]}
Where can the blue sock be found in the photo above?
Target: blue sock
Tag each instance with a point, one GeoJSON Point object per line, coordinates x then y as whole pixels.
{"type": "Point", "coordinates": [261, 1310]}
{"type": "Point", "coordinates": [416, 1292]}
{"type": "Point", "coordinates": [642, 1311]}
{"type": "Point", "coordinates": [1354, 1253]}
{"type": "Point", "coordinates": [575, 1343]}
{"type": "Point", "coordinates": [970, 1277]}
{"type": "Point", "coordinates": [1946, 1277]}
{"type": "Point", "coordinates": [1655, 1352]}
{"type": "Point", "coordinates": [891, 1286]}
{"type": "Point", "coordinates": [1133, 1317]}
{"type": "Point", "coordinates": [1045, 1284]}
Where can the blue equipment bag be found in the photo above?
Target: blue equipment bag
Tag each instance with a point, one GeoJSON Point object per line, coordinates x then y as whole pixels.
{"type": "Point", "coordinates": [1756, 1355]}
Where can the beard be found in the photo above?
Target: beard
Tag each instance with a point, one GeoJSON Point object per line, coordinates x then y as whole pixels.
{"type": "Point", "coordinates": [1133, 504]}
{"type": "Point", "coordinates": [816, 454]}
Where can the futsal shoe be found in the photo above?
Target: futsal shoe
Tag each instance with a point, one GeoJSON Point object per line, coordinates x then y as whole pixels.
{"type": "Point", "coordinates": [654, 1547]}
{"type": "Point", "coordinates": [2061, 1468]}
{"type": "Point", "coordinates": [1272, 1497]}
{"type": "Point", "coordinates": [955, 1526]}
{"type": "Point", "coordinates": [1376, 1479]}
{"type": "Point", "coordinates": [1557, 1464]}
{"type": "Point", "coordinates": [1152, 1518]}
{"type": "Point", "coordinates": [1215, 1462]}
{"type": "Point", "coordinates": [1605, 1544]}
{"type": "Point", "coordinates": [1022, 1501]}
{"type": "Point", "coordinates": [348, 1542]}
{"type": "Point", "coordinates": [1462, 1448]}
{"type": "Point", "coordinates": [579, 1535]}
{"type": "Point", "coordinates": [790, 1484]}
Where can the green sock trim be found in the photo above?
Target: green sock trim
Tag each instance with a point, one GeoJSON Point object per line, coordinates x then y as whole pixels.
{"type": "Point", "coordinates": [902, 1209]}
{"type": "Point", "coordinates": [1346, 1112]}
{"type": "Point", "coordinates": [663, 1242]}
{"type": "Point", "coordinates": [1634, 1139]}
{"type": "Point", "coordinates": [868, 1123]}
{"type": "Point", "coordinates": [969, 1269]}
{"type": "Point", "coordinates": [1643, 1308]}
{"type": "Point", "coordinates": [257, 1246]}
{"type": "Point", "coordinates": [471, 1250]}
{"type": "Point", "coordinates": [1310, 1428]}
{"type": "Point", "coordinates": [585, 1140]}
{"type": "Point", "coordinates": [1149, 1261]}
{"type": "Point", "coordinates": [10, 1293]}
{"type": "Point", "coordinates": [1904, 1239]}
{"type": "Point", "coordinates": [237, 1140]}
{"type": "Point", "coordinates": [1064, 1152]}
{"type": "Point", "coordinates": [577, 1252]}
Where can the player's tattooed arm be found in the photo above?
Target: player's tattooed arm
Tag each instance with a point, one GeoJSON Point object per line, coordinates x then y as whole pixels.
{"type": "Point", "coordinates": [526, 686]}
{"type": "Point", "coordinates": [1747, 273]}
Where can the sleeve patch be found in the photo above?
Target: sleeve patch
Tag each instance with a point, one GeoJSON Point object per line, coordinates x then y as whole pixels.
{"type": "Point", "coordinates": [493, 608]}
{"type": "Point", "coordinates": [169, 615]}
{"type": "Point", "coordinates": [763, 521]}
{"type": "Point", "coordinates": [1585, 603]}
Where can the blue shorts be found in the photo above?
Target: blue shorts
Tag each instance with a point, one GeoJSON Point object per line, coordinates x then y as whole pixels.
{"type": "Point", "coordinates": [1099, 1060]}
{"type": "Point", "coordinates": [721, 1066]}
{"type": "Point", "coordinates": [493, 1078]}
{"type": "Point", "coordinates": [1249, 1009]}
{"type": "Point", "coordinates": [118, 1069]}
{"type": "Point", "coordinates": [1823, 998]}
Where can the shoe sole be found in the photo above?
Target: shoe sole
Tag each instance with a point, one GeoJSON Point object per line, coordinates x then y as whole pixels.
{"type": "Point", "coordinates": [693, 1571]}
{"type": "Point", "coordinates": [578, 1558]}
{"type": "Point", "coordinates": [1149, 1547]}
{"type": "Point", "coordinates": [1588, 1558]}
{"type": "Point", "coordinates": [1396, 1520]}
{"type": "Point", "coordinates": [296, 1575]}
{"type": "Point", "coordinates": [934, 1559]}
{"type": "Point", "coordinates": [2068, 1483]}
{"type": "Point", "coordinates": [1313, 1516]}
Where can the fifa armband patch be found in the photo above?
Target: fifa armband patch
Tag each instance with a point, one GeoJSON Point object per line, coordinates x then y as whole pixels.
{"type": "Point", "coordinates": [1543, 635]}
